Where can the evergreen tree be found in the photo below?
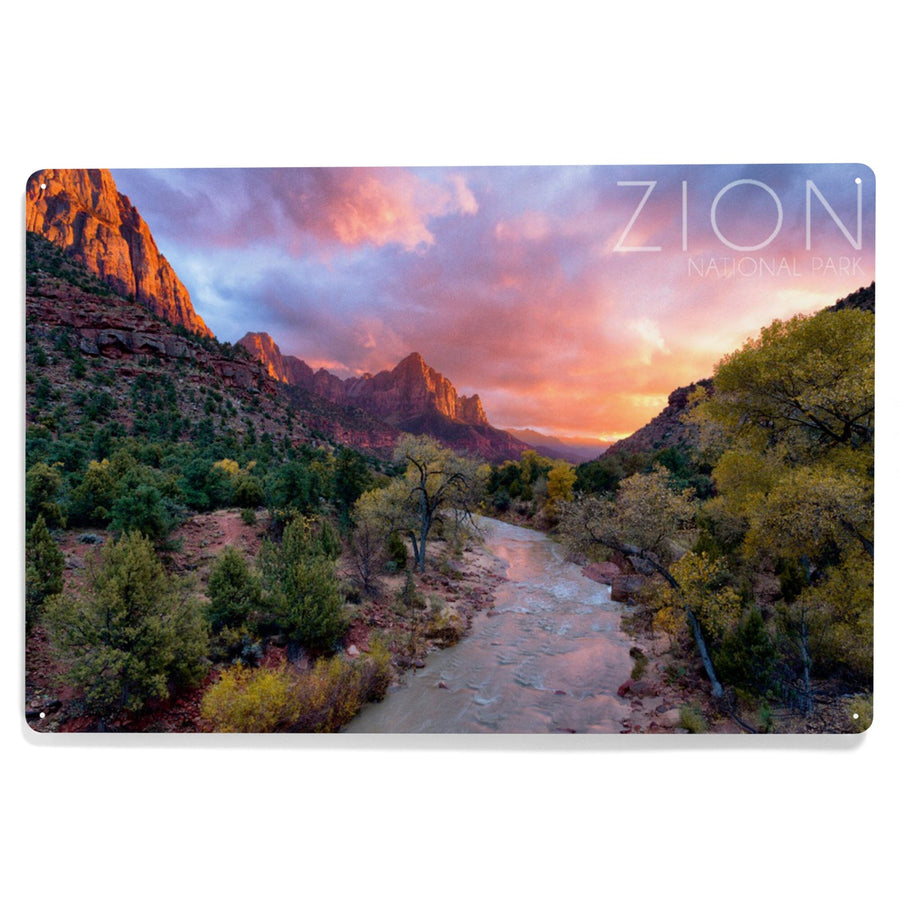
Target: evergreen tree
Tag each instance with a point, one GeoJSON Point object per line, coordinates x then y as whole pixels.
{"type": "Point", "coordinates": [302, 589]}
{"type": "Point", "coordinates": [44, 564]}
{"type": "Point", "coordinates": [135, 637]}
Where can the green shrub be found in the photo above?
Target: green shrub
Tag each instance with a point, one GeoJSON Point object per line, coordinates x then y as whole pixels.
{"type": "Point", "coordinates": [234, 592]}
{"type": "Point", "coordinates": [249, 492]}
{"type": "Point", "coordinates": [398, 555]}
{"type": "Point", "coordinates": [692, 719]}
{"type": "Point", "coordinates": [42, 485]}
{"type": "Point", "coordinates": [302, 590]}
{"type": "Point", "coordinates": [747, 656]}
{"type": "Point", "coordinates": [141, 508]}
{"type": "Point", "coordinates": [640, 663]}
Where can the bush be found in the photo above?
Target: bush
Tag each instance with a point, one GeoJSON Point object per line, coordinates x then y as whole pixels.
{"type": "Point", "coordinates": [501, 500]}
{"type": "Point", "coordinates": [42, 485]}
{"type": "Point", "coordinates": [692, 719]}
{"type": "Point", "coordinates": [251, 700]}
{"type": "Point", "coordinates": [302, 589]}
{"type": "Point", "coordinates": [321, 699]}
{"type": "Point", "coordinates": [141, 508]}
{"type": "Point", "coordinates": [747, 656]}
{"type": "Point", "coordinates": [640, 663]}
{"type": "Point", "coordinates": [249, 493]}
{"type": "Point", "coordinates": [397, 553]}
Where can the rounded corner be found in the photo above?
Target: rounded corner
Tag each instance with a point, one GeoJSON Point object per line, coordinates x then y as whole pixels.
{"type": "Point", "coordinates": [867, 170]}
{"type": "Point", "coordinates": [32, 722]}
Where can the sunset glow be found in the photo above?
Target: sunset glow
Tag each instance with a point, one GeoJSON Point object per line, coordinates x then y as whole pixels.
{"type": "Point", "coordinates": [525, 285]}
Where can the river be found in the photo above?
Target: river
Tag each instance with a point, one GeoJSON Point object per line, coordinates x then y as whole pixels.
{"type": "Point", "coordinates": [547, 658]}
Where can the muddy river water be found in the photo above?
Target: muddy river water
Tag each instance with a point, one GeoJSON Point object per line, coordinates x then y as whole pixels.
{"type": "Point", "coordinates": [547, 658]}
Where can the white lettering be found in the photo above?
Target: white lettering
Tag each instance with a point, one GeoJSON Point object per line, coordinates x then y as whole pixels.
{"type": "Point", "coordinates": [812, 189]}
{"type": "Point", "coordinates": [715, 225]}
{"type": "Point", "coordinates": [649, 185]}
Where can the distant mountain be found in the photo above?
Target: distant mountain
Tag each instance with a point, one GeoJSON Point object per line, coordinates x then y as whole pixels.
{"type": "Point", "coordinates": [573, 450]}
{"type": "Point", "coordinates": [82, 212]}
{"type": "Point", "coordinates": [411, 397]}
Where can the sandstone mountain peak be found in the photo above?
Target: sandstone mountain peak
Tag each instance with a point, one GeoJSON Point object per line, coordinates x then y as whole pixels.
{"type": "Point", "coordinates": [412, 396]}
{"type": "Point", "coordinates": [81, 211]}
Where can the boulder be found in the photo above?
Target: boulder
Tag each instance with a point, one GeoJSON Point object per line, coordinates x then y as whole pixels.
{"type": "Point", "coordinates": [603, 572]}
{"type": "Point", "coordinates": [626, 586]}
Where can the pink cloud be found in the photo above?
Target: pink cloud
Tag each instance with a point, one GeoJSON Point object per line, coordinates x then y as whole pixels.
{"type": "Point", "coordinates": [370, 206]}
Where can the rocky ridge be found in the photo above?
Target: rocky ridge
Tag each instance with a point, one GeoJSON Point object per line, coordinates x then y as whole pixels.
{"type": "Point", "coordinates": [668, 429]}
{"type": "Point", "coordinates": [412, 397]}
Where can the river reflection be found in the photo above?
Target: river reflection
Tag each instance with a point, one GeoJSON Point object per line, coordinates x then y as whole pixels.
{"type": "Point", "coordinates": [547, 658]}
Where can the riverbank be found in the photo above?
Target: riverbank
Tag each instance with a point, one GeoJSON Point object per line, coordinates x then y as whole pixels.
{"type": "Point", "coordinates": [415, 613]}
{"type": "Point", "coordinates": [669, 692]}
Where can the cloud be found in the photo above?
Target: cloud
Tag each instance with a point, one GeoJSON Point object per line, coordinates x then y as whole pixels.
{"type": "Point", "coordinates": [650, 339]}
{"type": "Point", "coordinates": [504, 278]}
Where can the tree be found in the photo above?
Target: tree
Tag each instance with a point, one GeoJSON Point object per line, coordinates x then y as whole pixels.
{"type": "Point", "coordinates": [352, 478]}
{"type": "Point", "coordinates": [807, 385]}
{"type": "Point", "coordinates": [436, 480]}
{"type": "Point", "coordinates": [645, 521]}
{"type": "Point", "coordinates": [42, 485]}
{"type": "Point", "coordinates": [794, 409]}
{"type": "Point", "coordinates": [44, 563]}
{"type": "Point", "coordinates": [302, 592]}
{"type": "Point", "coordinates": [93, 498]}
{"type": "Point", "coordinates": [234, 592]}
{"type": "Point", "coordinates": [140, 507]}
{"type": "Point", "coordinates": [367, 544]}
{"type": "Point", "coordinates": [136, 636]}
{"type": "Point", "coordinates": [560, 486]}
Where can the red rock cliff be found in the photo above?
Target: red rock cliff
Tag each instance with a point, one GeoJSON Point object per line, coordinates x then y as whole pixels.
{"type": "Point", "coordinates": [81, 211]}
{"type": "Point", "coordinates": [412, 388]}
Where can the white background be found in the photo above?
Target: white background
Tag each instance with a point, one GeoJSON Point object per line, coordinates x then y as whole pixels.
{"type": "Point", "coordinates": [114, 85]}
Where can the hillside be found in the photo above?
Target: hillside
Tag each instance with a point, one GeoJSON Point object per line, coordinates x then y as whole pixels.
{"type": "Point", "coordinates": [98, 359]}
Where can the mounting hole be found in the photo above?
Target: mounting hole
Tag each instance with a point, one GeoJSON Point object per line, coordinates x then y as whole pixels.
{"type": "Point", "coordinates": [43, 187]}
{"type": "Point", "coordinates": [43, 715]}
{"type": "Point", "coordinates": [858, 180]}
{"type": "Point", "coordinates": [855, 715]}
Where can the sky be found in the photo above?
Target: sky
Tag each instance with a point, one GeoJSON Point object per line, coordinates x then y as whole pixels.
{"type": "Point", "coordinates": [571, 299]}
